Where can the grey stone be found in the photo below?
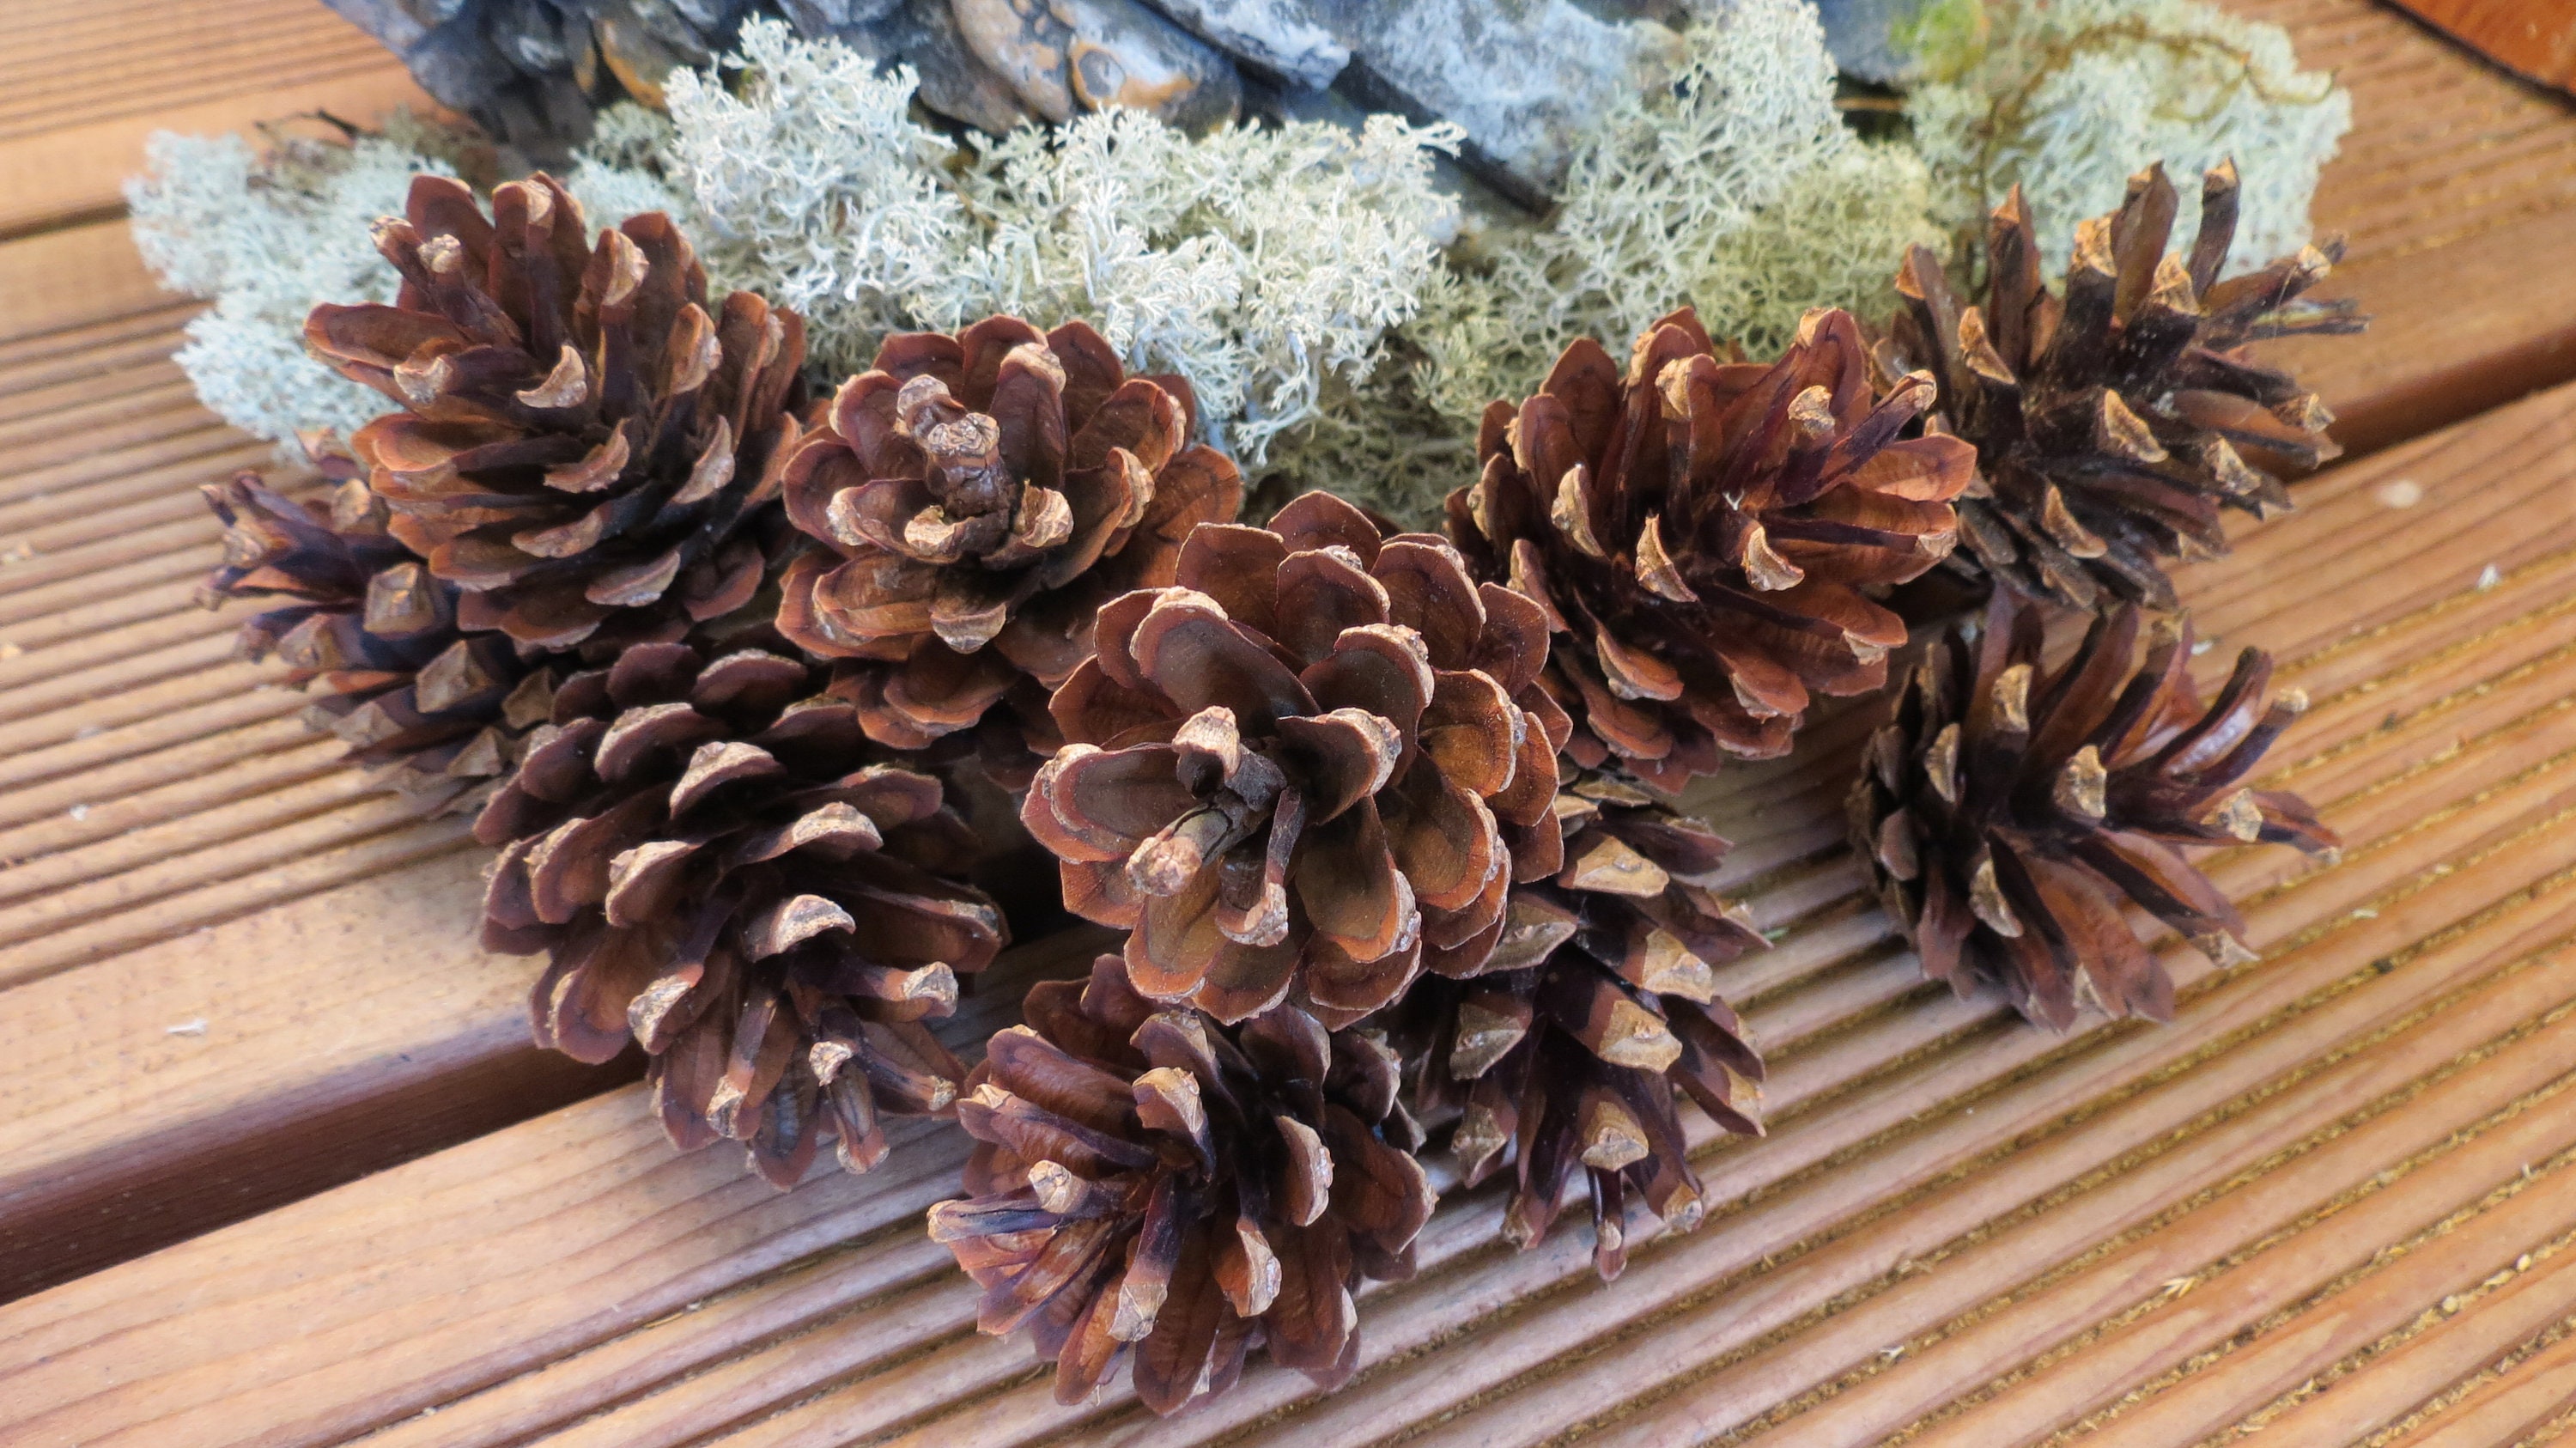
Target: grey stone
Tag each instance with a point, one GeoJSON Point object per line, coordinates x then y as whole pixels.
{"type": "Point", "coordinates": [954, 80]}
{"type": "Point", "coordinates": [1064, 56]}
{"type": "Point", "coordinates": [715, 18]}
{"type": "Point", "coordinates": [394, 26]}
{"type": "Point", "coordinates": [1283, 37]}
{"type": "Point", "coordinates": [1862, 36]}
{"type": "Point", "coordinates": [1521, 76]}
{"type": "Point", "coordinates": [816, 18]}
{"type": "Point", "coordinates": [531, 37]}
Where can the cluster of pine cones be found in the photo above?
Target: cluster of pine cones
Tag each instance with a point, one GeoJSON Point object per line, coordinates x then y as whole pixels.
{"type": "Point", "coordinates": [715, 664]}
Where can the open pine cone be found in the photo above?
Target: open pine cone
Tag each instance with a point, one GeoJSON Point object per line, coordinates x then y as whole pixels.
{"type": "Point", "coordinates": [1563, 1051]}
{"type": "Point", "coordinates": [1146, 1176]}
{"type": "Point", "coordinates": [713, 872]}
{"type": "Point", "coordinates": [1292, 773]}
{"type": "Point", "coordinates": [1702, 533]}
{"type": "Point", "coordinates": [2113, 421]}
{"type": "Point", "coordinates": [584, 450]}
{"type": "Point", "coordinates": [442, 712]}
{"type": "Point", "coordinates": [976, 499]}
{"type": "Point", "coordinates": [2009, 810]}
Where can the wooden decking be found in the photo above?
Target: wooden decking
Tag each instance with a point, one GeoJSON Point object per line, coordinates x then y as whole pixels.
{"type": "Point", "coordinates": [278, 1166]}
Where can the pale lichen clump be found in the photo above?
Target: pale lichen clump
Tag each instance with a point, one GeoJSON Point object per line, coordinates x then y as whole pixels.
{"type": "Point", "coordinates": [1737, 190]}
{"type": "Point", "coordinates": [268, 235]}
{"type": "Point", "coordinates": [1258, 262]}
{"type": "Point", "coordinates": [265, 238]}
{"type": "Point", "coordinates": [2069, 98]}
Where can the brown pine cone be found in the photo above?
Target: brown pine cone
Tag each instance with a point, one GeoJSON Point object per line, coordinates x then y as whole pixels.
{"type": "Point", "coordinates": [1291, 774]}
{"type": "Point", "coordinates": [1703, 534]}
{"type": "Point", "coordinates": [1563, 1052]}
{"type": "Point", "coordinates": [975, 500]}
{"type": "Point", "coordinates": [442, 712]}
{"type": "Point", "coordinates": [583, 449]}
{"type": "Point", "coordinates": [713, 871]}
{"type": "Point", "coordinates": [2010, 810]}
{"type": "Point", "coordinates": [2111, 422]}
{"type": "Point", "coordinates": [1145, 1176]}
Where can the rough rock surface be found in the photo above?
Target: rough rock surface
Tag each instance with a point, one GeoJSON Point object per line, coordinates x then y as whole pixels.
{"type": "Point", "coordinates": [1284, 37]}
{"type": "Point", "coordinates": [1065, 56]}
{"type": "Point", "coordinates": [922, 34]}
{"type": "Point", "coordinates": [1520, 75]}
{"type": "Point", "coordinates": [1862, 35]}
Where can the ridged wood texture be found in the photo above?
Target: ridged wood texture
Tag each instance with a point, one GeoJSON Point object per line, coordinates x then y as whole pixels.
{"type": "Point", "coordinates": [83, 82]}
{"type": "Point", "coordinates": [2537, 40]}
{"type": "Point", "coordinates": [2454, 188]}
{"type": "Point", "coordinates": [170, 1064]}
{"type": "Point", "coordinates": [230, 979]}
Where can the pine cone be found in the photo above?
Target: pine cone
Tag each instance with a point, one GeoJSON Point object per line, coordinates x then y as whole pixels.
{"type": "Point", "coordinates": [696, 845]}
{"type": "Point", "coordinates": [444, 714]}
{"type": "Point", "coordinates": [584, 451]}
{"type": "Point", "coordinates": [977, 498]}
{"type": "Point", "coordinates": [1702, 534]}
{"type": "Point", "coordinates": [2112, 422]}
{"type": "Point", "coordinates": [1293, 771]}
{"type": "Point", "coordinates": [2009, 810]}
{"type": "Point", "coordinates": [1567, 1046]}
{"type": "Point", "coordinates": [1147, 1176]}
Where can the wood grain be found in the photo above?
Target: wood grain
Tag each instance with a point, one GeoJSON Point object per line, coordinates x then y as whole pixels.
{"type": "Point", "coordinates": [79, 96]}
{"type": "Point", "coordinates": [2454, 188]}
{"type": "Point", "coordinates": [426, 1279]}
{"type": "Point", "coordinates": [2531, 39]}
{"type": "Point", "coordinates": [1909, 1129]}
{"type": "Point", "coordinates": [177, 1088]}
{"type": "Point", "coordinates": [74, 276]}
{"type": "Point", "coordinates": [2008, 1209]}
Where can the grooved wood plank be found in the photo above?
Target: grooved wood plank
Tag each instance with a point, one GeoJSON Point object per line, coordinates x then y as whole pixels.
{"type": "Point", "coordinates": [77, 276]}
{"type": "Point", "coordinates": [175, 897]}
{"type": "Point", "coordinates": [73, 773]}
{"type": "Point", "coordinates": [80, 99]}
{"type": "Point", "coordinates": [2537, 40]}
{"type": "Point", "coordinates": [220, 1063]}
{"type": "Point", "coordinates": [182, 785]}
{"type": "Point", "coordinates": [1743, 1392]}
{"type": "Point", "coordinates": [709, 1223]}
{"type": "Point", "coordinates": [144, 796]}
{"type": "Point", "coordinates": [2454, 186]}
{"type": "Point", "coordinates": [2504, 1407]}
{"type": "Point", "coordinates": [2536, 1297]}
{"type": "Point", "coordinates": [1885, 1092]}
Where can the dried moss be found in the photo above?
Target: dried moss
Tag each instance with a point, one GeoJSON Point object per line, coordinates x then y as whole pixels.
{"type": "Point", "coordinates": [1258, 262]}
{"type": "Point", "coordinates": [2068, 97]}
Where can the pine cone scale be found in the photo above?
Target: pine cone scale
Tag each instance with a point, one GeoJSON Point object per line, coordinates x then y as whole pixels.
{"type": "Point", "coordinates": [1326, 803]}
{"type": "Point", "coordinates": [2009, 810]}
{"type": "Point", "coordinates": [1564, 1048]}
{"type": "Point", "coordinates": [1154, 1180]}
{"type": "Point", "coordinates": [582, 444]}
{"type": "Point", "coordinates": [1696, 532]}
{"type": "Point", "coordinates": [2113, 421]}
{"type": "Point", "coordinates": [712, 878]}
{"type": "Point", "coordinates": [977, 500]}
{"type": "Point", "coordinates": [447, 712]}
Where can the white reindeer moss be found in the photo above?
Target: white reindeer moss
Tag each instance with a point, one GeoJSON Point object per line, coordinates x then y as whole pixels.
{"type": "Point", "coordinates": [2068, 97]}
{"type": "Point", "coordinates": [1255, 261]}
{"type": "Point", "coordinates": [265, 238]}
